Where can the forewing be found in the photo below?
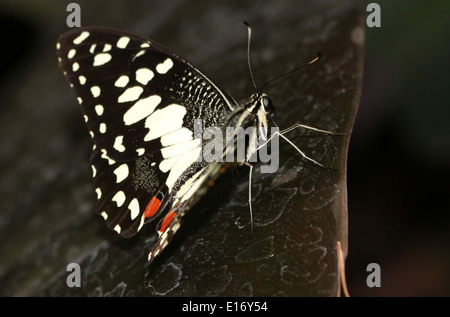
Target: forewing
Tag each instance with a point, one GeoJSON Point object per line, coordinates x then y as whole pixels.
{"type": "Point", "coordinates": [139, 101]}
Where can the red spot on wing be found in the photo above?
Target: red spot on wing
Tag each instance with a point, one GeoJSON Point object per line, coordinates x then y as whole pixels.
{"type": "Point", "coordinates": [152, 207]}
{"type": "Point", "coordinates": [167, 220]}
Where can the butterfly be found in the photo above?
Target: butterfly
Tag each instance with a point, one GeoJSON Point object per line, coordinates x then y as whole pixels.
{"type": "Point", "coordinates": [141, 103]}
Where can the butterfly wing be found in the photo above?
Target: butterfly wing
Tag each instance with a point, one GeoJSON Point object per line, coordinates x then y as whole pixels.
{"type": "Point", "coordinates": [139, 101]}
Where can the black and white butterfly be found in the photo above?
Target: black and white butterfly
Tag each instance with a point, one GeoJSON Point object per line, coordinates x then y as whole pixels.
{"type": "Point", "coordinates": [140, 102]}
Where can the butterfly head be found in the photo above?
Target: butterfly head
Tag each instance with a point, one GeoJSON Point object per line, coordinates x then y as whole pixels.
{"type": "Point", "coordinates": [260, 103]}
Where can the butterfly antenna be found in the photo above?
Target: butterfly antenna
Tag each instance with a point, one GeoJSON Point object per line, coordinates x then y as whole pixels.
{"type": "Point", "coordinates": [315, 59]}
{"type": "Point", "coordinates": [248, 55]}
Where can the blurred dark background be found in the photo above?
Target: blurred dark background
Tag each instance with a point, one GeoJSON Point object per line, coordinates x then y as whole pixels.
{"type": "Point", "coordinates": [399, 155]}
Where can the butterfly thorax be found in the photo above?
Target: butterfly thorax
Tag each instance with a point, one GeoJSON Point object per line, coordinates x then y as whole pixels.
{"type": "Point", "coordinates": [250, 121]}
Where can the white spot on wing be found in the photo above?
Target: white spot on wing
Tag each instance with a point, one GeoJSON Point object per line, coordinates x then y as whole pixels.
{"type": "Point", "coordinates": [165, 66]}
{"type": "Point", "coordinates": [182, 148]}
{"type": "Point", "coordinates": [178, 164]}
{"type": "Point", "coordinates": [95, 90]}
{"type": "Point", "coordinates": [71, 53]}
{"type": "Point", "coordinates": [119, 198]}
{"type": "Point", "coordinates": [122, 81]}
{"type": "Point", "coordinates": [104, 215]}
{"type": "Point", "coordinates": [101, 59]}
{"type": "Point", "coordinates": [106, 157]}
{"type": "Point", "coordinates": [102, 128]}
{"type": "Point", "coordinates": [175, 227]}
{"type": "Point", "coordinates": [75, 67]}
{"type": "Point", "coordinates": [166, 165]}
{"type": "Point", "coordinates": [99, 109]}
{"type": "Point", "coordinates": [123, 42]}
{"type": "Point", "coordinates": [82, 80]}
{"type": "Point", "coordinates": [177, 136]}
{"type": "Point", "coordinates": [131, 94]}
{"type": "Point", "coordinates": [121, 172]}
{"type": "Point", "coordinates": [118, 143]}
{"type": "Point", "coordinates": [107, 47]}
{"type": "Point", "coordinates": [134, 208]}
{"type": "Point", "coordinates": [117, 229]}
{"type": "Point", "coordinates": [99, 193]}
{"type": "Point", "coordinates": [140, 151]}
{"type": "Point", "coordinates": [140, 53]}
{"type": "Point", "coordinates": [141, 109]}
{"type": "Point", "coordinates": [84, 35]}
{"type": "Point", "coordinates": [141, 223]}
{"type": "Point", "coordinates": [144, 75]}
{"type": "Point", "coordinates": [164, 121]}
{"type": "Point", "coordinates": [152, 255]}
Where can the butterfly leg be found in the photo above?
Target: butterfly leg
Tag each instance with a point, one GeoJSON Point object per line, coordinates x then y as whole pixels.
{"type": "Point", "coordinates": [250, 196]}
{"type": "Point", "coordinates": [293, 145]}
{"type": "Point", "coordinates": [307, 127]}
{"type": "Point", "coordinates": [298, 125]}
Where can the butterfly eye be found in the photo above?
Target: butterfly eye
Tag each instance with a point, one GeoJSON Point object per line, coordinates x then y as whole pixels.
{"type": "Point", "coordinates": [267, 103]}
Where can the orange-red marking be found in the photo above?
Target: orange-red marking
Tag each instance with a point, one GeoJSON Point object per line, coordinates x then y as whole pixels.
{"type": "Point", "coordinates": [152, 207]}
{"type": "Point", "coordinates": [167, 220]}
